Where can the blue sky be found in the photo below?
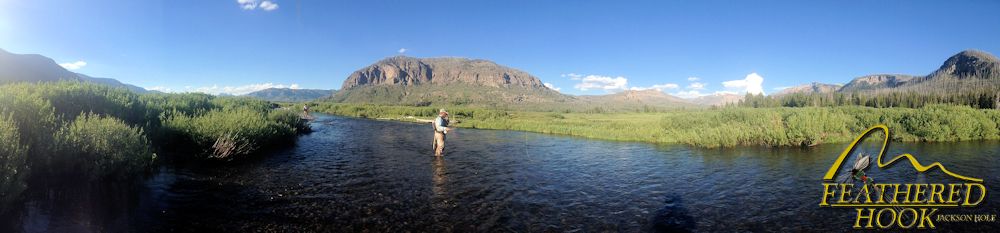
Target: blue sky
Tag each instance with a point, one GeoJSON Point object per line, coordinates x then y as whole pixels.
{"type": "Point", "coordinates": [580, 47]}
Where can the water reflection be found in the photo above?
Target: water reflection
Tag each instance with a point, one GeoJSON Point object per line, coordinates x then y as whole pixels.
{"type": "Point", "coordinates": [440, 179]}
{"type": "Point", "coordinates": [358, 175]}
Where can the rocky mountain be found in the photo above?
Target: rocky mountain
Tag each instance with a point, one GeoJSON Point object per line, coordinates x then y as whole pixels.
{"type": "Point", "coordinates": [38, 68]}
{"type": "Point", "coordinates": [423, 81]}
{"type": "Point", "coordinates": [969, 70]}
{"type": "Point", "coordinates": [969, 64]}
{"type": "Point", "coordinates": [877, 81]}
{"type": "Point", "coordinates": [717, 99]}
{"type": "Point", "coordinates": [291, 95]}
{"type": "Point", "coordinates": [812, 88]}
{"type": "Point", "coordinates": [409, 71]}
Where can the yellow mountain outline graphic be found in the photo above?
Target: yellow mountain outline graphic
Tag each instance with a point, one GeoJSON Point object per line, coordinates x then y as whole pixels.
{"type": "Point", "coordinates": [913, 161]}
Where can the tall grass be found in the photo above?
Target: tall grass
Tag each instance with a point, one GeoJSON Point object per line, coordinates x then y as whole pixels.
{"type": "Point", "coordinates": [234, 131]}
{"type": "Point", "coordinates": [723, 127]}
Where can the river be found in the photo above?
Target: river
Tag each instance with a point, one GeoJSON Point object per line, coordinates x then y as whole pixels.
{"type": "Point", "coordinates": [363, 175]}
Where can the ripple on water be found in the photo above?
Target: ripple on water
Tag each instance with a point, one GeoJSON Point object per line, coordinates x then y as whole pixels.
{"type": "Point", "coordinates": [360, 175]}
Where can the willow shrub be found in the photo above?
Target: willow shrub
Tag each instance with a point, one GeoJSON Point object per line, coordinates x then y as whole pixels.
{"type": "Point", "coordinates": [71, 99]}
{"type": "Point", "coordinates": [231, 132]}
{"type": "Point", "coordinates": [288, 117]}
{"type": "Point", "coordinates": [99, 148]}
{"type": "Point", "coordinates": [13, 167]}
{"type": "Point", "coordinates": [184, 103]}
{"type": "Point", "coordinates": [34, 117]}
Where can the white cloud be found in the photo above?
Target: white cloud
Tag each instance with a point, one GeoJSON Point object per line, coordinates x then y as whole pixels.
{"type": "Point", "coordinates": [658, 87]}
{"type": "Point", "coordinates": [553, 87]}
{"type": "Point", "coordinates": [73, 65]}
{"type": "Point", "coordinates": [247, 4]}
{"type": "Point", "coordinates": [692, 79]}
{"type": "Point", "coordinates": [688, 94]}
{"type": "Point", "coordinates": [401, 50]}
{"type": "Point", "coordinates": [592, 82]}
{"type": "Point", "coordinates": [752, 83]}
{"type": "Point", "coordinates": [160, 89]}
{"type": "Point", "coordinates": [780, 88]}
{"type": "Point", "coordinates": [696, 86]}
{"type": "Point", "coordinates": [268, 5]}
{"type": "Point", "coordinates": [571, 76]}
{"type": "Point", "coordinates": [265, 5]}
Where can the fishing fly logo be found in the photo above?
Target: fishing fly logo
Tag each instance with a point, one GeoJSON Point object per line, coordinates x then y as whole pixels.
{"type": "Point", "coordinates": [891, 205]}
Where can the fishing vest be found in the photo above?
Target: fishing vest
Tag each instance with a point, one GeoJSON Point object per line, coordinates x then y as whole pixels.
{"type": "Point", "coordinates": [444, 123]}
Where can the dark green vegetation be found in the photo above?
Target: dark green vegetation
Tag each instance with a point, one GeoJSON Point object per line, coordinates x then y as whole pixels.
{"type": "Point", "coordinates": [89, 132]}
{"type": "Point", "coordinates": [985, 98]}
{"type": "Point", "coordinates": [290, 95]}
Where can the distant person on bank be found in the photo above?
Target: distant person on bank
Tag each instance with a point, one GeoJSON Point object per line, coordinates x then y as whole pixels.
{"type": "Point", "coordinates": [440, 130]}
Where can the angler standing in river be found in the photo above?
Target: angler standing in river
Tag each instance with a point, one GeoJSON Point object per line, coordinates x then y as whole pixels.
{"type": "Point", "coordinates": [440, 130]}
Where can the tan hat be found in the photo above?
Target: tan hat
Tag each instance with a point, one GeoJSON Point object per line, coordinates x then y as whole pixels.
{"type": "Point", "coordinates": [442, 111]}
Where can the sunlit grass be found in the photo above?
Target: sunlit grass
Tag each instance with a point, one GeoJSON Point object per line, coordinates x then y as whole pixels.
{"type": "Point", "coordinates": [724, 127]}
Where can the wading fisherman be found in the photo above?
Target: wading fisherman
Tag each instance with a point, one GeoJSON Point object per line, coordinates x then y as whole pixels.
{"type": "Point", "coordinates": [440, 130]}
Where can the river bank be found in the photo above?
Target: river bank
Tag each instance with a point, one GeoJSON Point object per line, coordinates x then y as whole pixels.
{"type": "Point", "coordinates": [90, 133]}
{"type": "Point", "coordinates": [710, 128]}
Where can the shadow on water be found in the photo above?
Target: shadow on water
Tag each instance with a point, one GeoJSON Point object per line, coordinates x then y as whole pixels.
{"type": "Point", "coordinates": [673, 217]}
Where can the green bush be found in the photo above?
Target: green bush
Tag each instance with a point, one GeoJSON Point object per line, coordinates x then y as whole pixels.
{"type": "Point", "coordinates": [33, 118]}
{"type": "Point", "coordinates": [186, 103]}
{"type": "Point", "coordinates": [13, 167]}
{"type": "Point", "coordinates": [70, 99]}
{"type": "Point", "coordinates": [100, 148]}
{"type": "Point", "coordinates": [232, 132]}
{"type": "Point", "coordinates": [288, 117]}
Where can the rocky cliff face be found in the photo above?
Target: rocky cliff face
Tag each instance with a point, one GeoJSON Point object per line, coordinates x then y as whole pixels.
{"type": "Point", "coordinates": [409, 71]}
{"type": "Point", "coordinates": [877, 81]}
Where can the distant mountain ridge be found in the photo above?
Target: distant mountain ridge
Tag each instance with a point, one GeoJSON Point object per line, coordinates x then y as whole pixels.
{"type": "Point", "coordinates": [969, 70]}
{"type": "Point", "coordinates": [291, 95]}
{"type": "Point", "coordinates": [812, 88]}
{"type": "Point", "coordinates": [635, 99]}
{"type": "Point", "coordinates": [38, 68]}
{"type": "Point", "coordinates": [717, 99]}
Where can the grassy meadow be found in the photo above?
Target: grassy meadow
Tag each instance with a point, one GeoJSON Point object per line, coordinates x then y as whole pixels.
{"type": "Point", "coordinates": [88, 132]}
{"type": "Point", "coordinates": [714, 127]}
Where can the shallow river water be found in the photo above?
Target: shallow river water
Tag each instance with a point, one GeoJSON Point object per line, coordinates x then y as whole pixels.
{"type": "Point", "coordinates": [362, 175]}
